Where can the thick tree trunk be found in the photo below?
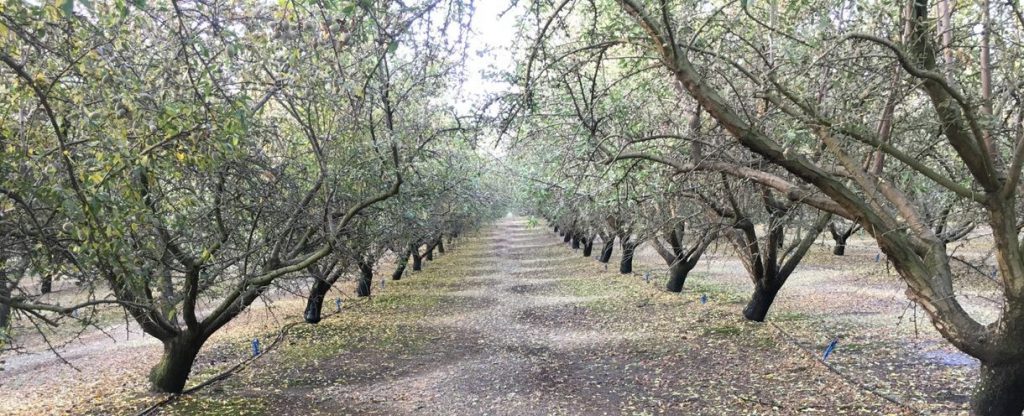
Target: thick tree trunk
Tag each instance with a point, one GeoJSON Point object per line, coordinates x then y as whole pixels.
{"type": "Point", "coordinates": [575, 240]}
{"type": "Point", "coordinates": [403, 262]}
{"type": "Point", "coordinates": [1000, 390]}
{"type": "Point", "coordinates": [567, 237]}
{"type": "Point", "coordinates": [677, 276]}
{"type": "Point", "coordinates": [440, 245]}
{"type": "Point", "coordinates": [840, 248]}
{"type": "Point", "coordinates": [588, 247]}
{"type": "Point", "coordinates": [365, 280]}
{"type": "Point", "coordinates": [430, 253]}
{"type": "Point", "coordinates": [315, 302]}
{"type": "Point", "coordinates": [417, 260]}
{"type": "Point", "coordinates": [626, 263]}
{"type": "Point", "coordinates": [760, 302]}
{"type": "Point", "coordinates": [46, 286]}
{"type": "Point", "coordinates": [556, 228]}
{"type": "Point", "coordinates": [171, 373]}
{"type": "Point", "coordinates": [606, 252]}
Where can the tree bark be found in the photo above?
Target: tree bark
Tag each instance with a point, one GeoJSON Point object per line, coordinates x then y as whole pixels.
{"type": "Point", "coordinates": [5, 309]}
{"type": "Point", "coordinates": [430, 253]}
{"type": "Point", "coordinates": [626, 263]}
{"type": "Point", "coordinates": [403, 262]}
{"type": "Point", "coordinates": [575, 241]}
{"type": "Point", "coordinates": [315, 302]}
{"type": "Point", "coordinates": [677, 275]}
{"type": "Point", "coordinates": [365, 279]}
{"type": "Point", "coordinates": [417, 260]}
{"type": "Point", "coordinates": [440, 245]}
{"type": "Point", "coordinates": [46, 285]}
{"type": "Point", "coordinates": [606, 252]}
{"type": "Point", "coordinates": [840, 248]}
{"type": "Point", "coordinates": [566, 237]}
{"type": "Point", "coordinates": [588, 247]}
{"type": "Point", "coordinates": [760, 302]}
{"type": "Point", "coordinates": [999, 390]}
{"type": "Point", "coordinates": [171, 373]}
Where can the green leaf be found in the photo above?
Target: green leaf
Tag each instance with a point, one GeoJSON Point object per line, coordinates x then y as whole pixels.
{"type": "Point", "coordinates": [392, 46]}
{"type": "Point", "coordinates": [67, 7]}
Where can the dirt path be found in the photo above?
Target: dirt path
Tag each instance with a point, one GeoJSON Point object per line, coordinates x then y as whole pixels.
{"type": "Point", "coordinates": [512, 322]}
{"type": "Point", "coordinates": [525, 326]}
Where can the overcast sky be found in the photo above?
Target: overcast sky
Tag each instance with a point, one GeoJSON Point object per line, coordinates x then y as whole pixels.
{"type": "Point", "coordinates": [490, 48]}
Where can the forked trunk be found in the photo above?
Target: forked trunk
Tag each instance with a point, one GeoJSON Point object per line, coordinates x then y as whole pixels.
{"type": "Point", "coordinates": [760, 302]}
{"type": "Point", "coordinates": [171, 373]}
{"type": "Point", "coordinates": [840, 248]}
{"type": "Point", "coordinates": [677, 276]}
{"type": "Point", "coordinates": [365, 280]}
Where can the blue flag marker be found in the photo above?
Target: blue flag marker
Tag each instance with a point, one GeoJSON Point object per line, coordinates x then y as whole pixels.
{"type": "Point", "coordinates": [255, 347]}
{"type": "Point", "coordinates": [831, 347]}
{"type": "Point", "coordinates": [703, 298]}
{"type": "Point", "coordinates": [647, 276]}
{"type": "Point", "coordinates": [993, 271]}
{"type": "Point", "coordinates": [878, 257]}
{"type": "Point", "coordinates": [382, 284]}
{"type": "Point", "coordinates": [337, 304]}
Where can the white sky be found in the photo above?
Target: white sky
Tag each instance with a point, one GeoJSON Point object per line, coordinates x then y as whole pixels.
{"type": "Point", "coordinates": [490, 48]}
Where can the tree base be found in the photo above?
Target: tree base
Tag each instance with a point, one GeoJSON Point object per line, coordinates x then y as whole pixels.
{"type": "Point", "coordinates": [760, 303]}
{"type": "Point", "coordinates": [1000, 391]}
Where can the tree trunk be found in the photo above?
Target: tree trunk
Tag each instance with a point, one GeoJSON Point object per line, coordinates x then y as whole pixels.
{"type": "Point", "coordinates": [626, 263]}
{"type": "Point", "coordinates": [417, 260]}
{"type": "Point", "coordinates": [840, 248]}
{"type": "Point", "coordinates": [365, 280]}
{"type": "Point", "coordinates": [315, 302]}
{"type": "Point", "coordinates": [440, 245]}
{"type": "Point", "coordinates": [400, 268]}
{"type": "Point", "coordinates": [171, 373]}
{"type": "Point", "coordinates": [46, 286]}
{"type": "Point", "coordinates": [430, 253]}
{"type": "Point", "coordinates": [556, 228]}
{"type": "Point", "coordinates": [575, 240]}
{"type": "Point", "coordinates": [606, 252]}
{"type": "Point", "coordinates": [999, 391]}
{"type": "Point", "coordinates": [5, 309]}
{"type": "Point", "coordinates": [588, 247]}
{"type": "Point", "coordinates": [677, 275]}
{"type": "Point", "coordinates": [760, 302]}
{"type": "Point", "coordinates": [567, 237]}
